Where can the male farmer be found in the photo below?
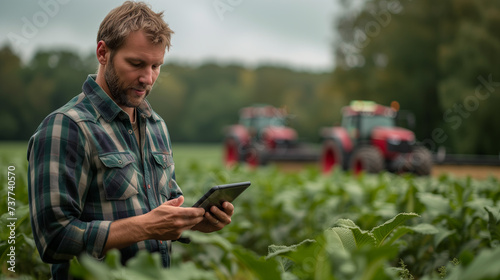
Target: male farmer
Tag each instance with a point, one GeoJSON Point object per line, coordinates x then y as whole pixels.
{"type": "Point", "coordinates": [101, 173]}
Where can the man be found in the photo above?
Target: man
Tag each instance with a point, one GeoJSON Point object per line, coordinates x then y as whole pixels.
{"type": "Point", "coordinates": [101, 173]}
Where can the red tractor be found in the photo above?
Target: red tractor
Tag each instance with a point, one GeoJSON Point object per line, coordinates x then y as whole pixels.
{"type": "Point", "coordinates": [368, 140]}
{"type": "Point", "coordinates": [261, 136]}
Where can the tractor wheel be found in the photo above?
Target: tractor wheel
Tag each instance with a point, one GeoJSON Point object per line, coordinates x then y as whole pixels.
{"type": "Point", "coordinates": [331, 156]}
{"type": "Point", "coordinates": [232, 152]}
{"type": "Point", "coordinates": [421, 161]}
{"type": "Point", "coordinates": [368, 159]}
{"type": "Point", "coordinates": [254, 157]}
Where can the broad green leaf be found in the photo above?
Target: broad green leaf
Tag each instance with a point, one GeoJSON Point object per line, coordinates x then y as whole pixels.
{"type": "Point", "coordinates": [288, 276]}
{"type": "Point", "coordinates": [373, 261]}
{"type": "Point", "coordinates": [383, 231]}
{"type": "Point", "coordinates": [403, 230]}
{"type": "Point", "coordinates": [77, 269]}
{"type": "Point", "coordinates": [312, 261]}
{"type": "Point", "coordinates": [435, 204]}
{"type": "Point", "coordinates": [478, 205]}
{"type": "Point", "coordinates": [484, 266]}
{"type": "Point", "coordinates": [149, 264]}
{"type": "Point", "coordinates": [113, 259]}
{"type": "Point", "coordinates": [397, 233]}
{"type": "Point", "coordinates": [361, 237]}
{"type": "Point", "coordinates": [442, 235]}
{"type": "Point", "coordinates": [425, 228]}
{"type": "Point", "coordinates": [276, 251]}
{"type": "Point", "coordinates": [409, 198]}
{"type": "Point", "coordinates": [203, 238]}
{"type": "Point", "coordinates": [341, 238]}
{"type": "Point", "coordinates": [347, 223]}
{"type": "Point", "coordinates": [95, 269]}
{"type": "Point", "coordinates": [29, 240]}
{"type": "Point", "coordinates": [133, 274]}
{"type": "Point", "coordinates": [258, 266]}
{"type": "Point", "coordinates": [4, 230]}
{"type": "Point", "coordinates": [186, 271]}
{"type": "Point", "coordinates": [493, 225]}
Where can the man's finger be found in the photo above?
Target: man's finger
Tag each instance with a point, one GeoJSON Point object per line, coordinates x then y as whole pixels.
{"type": "Point", "coordinates": [217, 215]}
{"type": "Point", "coordinates": [228, 208]}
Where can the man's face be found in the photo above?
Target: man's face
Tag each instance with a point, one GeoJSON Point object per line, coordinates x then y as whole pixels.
{"type": "Point", "coordinates": [133, 69]}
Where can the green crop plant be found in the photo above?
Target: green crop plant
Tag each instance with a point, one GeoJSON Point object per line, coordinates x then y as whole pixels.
{"type": "Point", "coordinates": [345, 251]}
{"type": "Point", "coordinates": [458, 220]}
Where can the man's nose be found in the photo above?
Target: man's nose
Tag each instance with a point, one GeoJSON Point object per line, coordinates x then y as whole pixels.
{"type": "Point", "coordinates": [147, 76]}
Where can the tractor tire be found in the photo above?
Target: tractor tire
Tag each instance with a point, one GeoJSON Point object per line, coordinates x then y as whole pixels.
{"type": "Point", "coordinates": [421, 161]}
{"type": "Point", "coordinates": [367, 159]}
{"type": "Point", "coordinates": [255, 156]}
{"type": "Point", "coordinates": [331, 156]}
{"type": "Point", "coordinates": [232, 151]}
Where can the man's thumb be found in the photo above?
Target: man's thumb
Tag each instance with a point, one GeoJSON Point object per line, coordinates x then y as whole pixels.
{"type": "Point", "coordinates": [176, 201]}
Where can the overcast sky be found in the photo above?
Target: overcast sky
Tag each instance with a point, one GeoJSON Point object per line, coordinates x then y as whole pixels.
{"type": "Point", "coordinates": [296, 33]}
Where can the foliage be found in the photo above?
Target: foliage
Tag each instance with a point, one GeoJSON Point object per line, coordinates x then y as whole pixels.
{"type": "Point", "coordinates": [143, 266]}
{"type": "Point", "coordinates": [438, 59]}
{"type": "Point", "coordinates": [196, 102]}
{"type": "Point", "coordinates": [304, 225]}
{"type": "Point", "coordinates": [364, 253]}
{"type": "Point", "coordinates": [28, 261]}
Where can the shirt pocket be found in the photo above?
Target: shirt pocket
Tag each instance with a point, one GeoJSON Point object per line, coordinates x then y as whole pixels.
{"type": "Point", "coordinates": [119, 175]}
{"type": "Point", "coordinates": [164, 169]}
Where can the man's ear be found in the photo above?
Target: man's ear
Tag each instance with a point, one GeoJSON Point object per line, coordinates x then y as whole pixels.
{"type": "Point", "coordinates": [102, 52]}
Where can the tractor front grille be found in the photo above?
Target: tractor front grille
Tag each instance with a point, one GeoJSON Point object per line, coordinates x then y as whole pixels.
{"type": "Point", "coordinates": [399, 146]}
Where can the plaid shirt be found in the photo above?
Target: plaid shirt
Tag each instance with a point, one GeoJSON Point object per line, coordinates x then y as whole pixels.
{"type": "Point", "coordinates": [86, 170]}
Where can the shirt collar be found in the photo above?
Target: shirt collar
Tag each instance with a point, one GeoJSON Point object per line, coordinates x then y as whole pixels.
{"type": "Point", "coordinates": [106, 106]}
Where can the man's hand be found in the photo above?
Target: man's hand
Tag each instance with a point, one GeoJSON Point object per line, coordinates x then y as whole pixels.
{"type": "Point", "coordinates": [216, 219]}
{"type": "Point", "coordinates": [166, 222]}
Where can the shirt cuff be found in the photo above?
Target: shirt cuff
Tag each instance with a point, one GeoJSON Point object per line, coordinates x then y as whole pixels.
{"type": "Point", "coordinates": [96, 236]}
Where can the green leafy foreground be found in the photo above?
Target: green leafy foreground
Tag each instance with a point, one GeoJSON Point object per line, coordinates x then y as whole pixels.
{"type": "Point", "coordinates": [305, 225]}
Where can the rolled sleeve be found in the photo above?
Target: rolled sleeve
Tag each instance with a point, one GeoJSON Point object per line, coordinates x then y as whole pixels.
{"type": "Point", "coordinates": [95, 238]}
{"type": "Point", "coordinates": [76, 238]}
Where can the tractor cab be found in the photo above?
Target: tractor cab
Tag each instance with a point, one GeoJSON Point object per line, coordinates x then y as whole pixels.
{"type": "Point", "coordinates": [368, 139]}
{"type": "Point", "coordinates": [361, 117]}
{"type": "Point", "coordinates": [262, 135]}
{"type": "Point", "coordinates": [370, 123]}
{"type": "Point", "coordinates": [258, 118]}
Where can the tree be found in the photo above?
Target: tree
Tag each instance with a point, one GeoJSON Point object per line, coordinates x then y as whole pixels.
{"type": "Point", "coordinates": [470, 87]}
{"type": "Point", "coordinates": [426, 55]}
{"type": "Point", "coordinates": [11, 88]}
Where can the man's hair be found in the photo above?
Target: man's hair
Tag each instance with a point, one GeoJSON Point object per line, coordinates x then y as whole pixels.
{"type": "Point", "coordinates": [133, 16]}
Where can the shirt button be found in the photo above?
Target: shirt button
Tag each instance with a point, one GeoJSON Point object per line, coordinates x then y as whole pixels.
{"type": "Point", "coordinates": [130, 131]}
{"type": "Point", "coordinates": [120, 162]}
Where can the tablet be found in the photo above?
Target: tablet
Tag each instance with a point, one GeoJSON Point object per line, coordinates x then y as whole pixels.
{"type": "Point", "coordinates": [218, 194]}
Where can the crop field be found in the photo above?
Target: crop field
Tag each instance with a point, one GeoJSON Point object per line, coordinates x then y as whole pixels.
{"type": "Point", "coordinates": [294, 223]}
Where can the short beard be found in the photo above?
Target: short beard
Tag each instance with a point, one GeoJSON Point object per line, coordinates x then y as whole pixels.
{"type": "Point", "coordinates": [116, 89]}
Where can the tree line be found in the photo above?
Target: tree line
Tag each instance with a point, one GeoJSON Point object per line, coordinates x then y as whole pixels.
{"type": "Point", "coordinates": [197, 102]}
{"type": "Point", "coordinates": [439, 60]}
